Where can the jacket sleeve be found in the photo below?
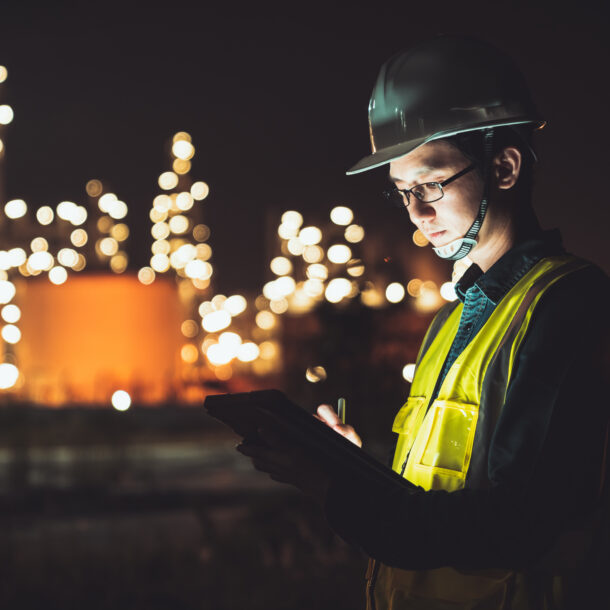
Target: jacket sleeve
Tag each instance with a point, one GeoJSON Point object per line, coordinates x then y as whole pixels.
{"type": "Point", "coordinates": [544, 459]}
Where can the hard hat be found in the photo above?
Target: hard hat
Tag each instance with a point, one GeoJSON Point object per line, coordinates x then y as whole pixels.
{"type": "Point", "coordinates": [442, 87]}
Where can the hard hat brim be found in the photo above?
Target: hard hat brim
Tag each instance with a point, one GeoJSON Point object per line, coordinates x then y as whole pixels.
{"type": "Point", "coordinates": [384, 156]}
{"type": "Point", "coordinates": [391, 153]}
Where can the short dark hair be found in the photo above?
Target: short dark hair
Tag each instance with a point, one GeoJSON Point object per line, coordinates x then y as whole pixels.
{"type": "Point", "coordinates": [472, 145]}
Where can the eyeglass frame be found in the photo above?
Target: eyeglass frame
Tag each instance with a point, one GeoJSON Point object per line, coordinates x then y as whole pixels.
{"type": "Point", "coordinates": [389, 193]}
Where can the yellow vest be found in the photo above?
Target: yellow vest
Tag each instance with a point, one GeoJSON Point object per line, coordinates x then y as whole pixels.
{"type": "Point", "coordinates": [444, 445]}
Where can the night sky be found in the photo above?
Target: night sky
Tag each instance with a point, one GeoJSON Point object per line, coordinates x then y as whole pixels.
{"type": "Point", "coordinates": [276, 100]}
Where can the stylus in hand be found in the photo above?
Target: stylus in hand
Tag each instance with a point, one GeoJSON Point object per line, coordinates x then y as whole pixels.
{"type": "Point", "coordinates": [341, 409]}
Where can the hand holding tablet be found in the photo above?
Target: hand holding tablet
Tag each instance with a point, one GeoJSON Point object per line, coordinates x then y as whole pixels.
{"type": "Point", "coordinates": [295, 446]}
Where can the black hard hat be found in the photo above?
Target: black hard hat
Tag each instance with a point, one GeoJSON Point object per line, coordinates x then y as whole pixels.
{"type": "Point", "coordinates": [445, 86]}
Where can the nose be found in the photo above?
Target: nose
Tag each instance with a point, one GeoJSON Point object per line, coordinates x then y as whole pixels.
{"type": "Point", "coordinates": [420, 211]}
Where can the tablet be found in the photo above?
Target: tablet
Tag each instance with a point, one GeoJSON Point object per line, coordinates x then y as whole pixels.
{"type": "Point", "coordinates": [246, 412]}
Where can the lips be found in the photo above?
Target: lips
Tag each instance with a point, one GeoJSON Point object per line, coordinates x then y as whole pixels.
{"type": "Point", "coordinates": [435, 235]}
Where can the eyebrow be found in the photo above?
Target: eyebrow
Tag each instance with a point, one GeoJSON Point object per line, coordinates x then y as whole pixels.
{"type": "Point", "coordinates": [422, 170]}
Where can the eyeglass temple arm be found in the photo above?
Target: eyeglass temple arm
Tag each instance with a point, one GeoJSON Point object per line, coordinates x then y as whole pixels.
{"type": "Point", "coordinates": [458, 175]}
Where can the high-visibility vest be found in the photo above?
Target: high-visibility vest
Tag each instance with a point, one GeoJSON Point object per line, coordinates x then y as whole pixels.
{"type": "Point", "coordinates": [444, 445]}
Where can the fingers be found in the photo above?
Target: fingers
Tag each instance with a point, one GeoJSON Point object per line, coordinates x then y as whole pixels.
{"type": "Point", "coordinates": [327, 414]}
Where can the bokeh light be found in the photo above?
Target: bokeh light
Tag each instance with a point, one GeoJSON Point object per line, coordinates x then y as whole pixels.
{"type": "Point", "coordinates": [58, 275]}
{"type": "Point", "coordinates": [189, 328]}
{"type": "Point", "coordinates": [11, 313]}
{"type": "Point", "coordinates": [160, 230]}
{"type": "Point", "coordinates": [279, 306]}
{"type": "Point", "coordinates": [247, 352]}
{"type": "Point", "coordinates": [17, 256]}
{"type": "Point", "coordinates": [419, 239]}
{"type": "Point", "coordinates": [408, 372]}
{"type": "Point", "coordinates": [295, 246]}
{"type": "Point", "coordinates": [11, 334]}
{"type": "Point", "coordinates": [183, 149]}
{"type": "Point", "coordinates": [94, 188]}
{"type": "Point", "coordinates": [181, 166]}
{"type": "Point", "coordinates": [337, 289]}
{"type": "Point", "coordinates": [201, 232]}
{"type": "Point", "coordinates": [317, 271]}
{"type": "Point", "coordinates": [179, 224]}
{"type": "Point", "coordinates": [310, 236]}
{"type": "Point", "coordinates": [200, 190]}
{"type": "Point", "coordinates": [9, 374]}
{"type": "Point", "coordinates": [339, 253]}
{"type": "Point", "coordinates": [108, 246]}
{"type": "Point", "coordinates": [395, 292]}
{"type": "Point", "coordinates": [104, 224]}
{"type": "Point", "coordinates": [355, 267]}
{"type": "Point", "coordinates": [414, 287]}
{"type": "Point", "coordinates": [189, 353]}
{"type": "Point", "coordinates": [40, 261]}
{"type": "Point", "coordinates": [168, 181]}
{"type": "Point", "coordinates": [315, 374]}
{"type": "Point", "coordinates": [118, 262]}
{"type": "Point", "coordinates": [39, 244]}
{"type": "Point", "coordinates": [448, 291]}
{"type": "Point", "coordinates": [235, 304]}
{"type": "Point", "coordinates": [160, 263]}
{"type": "Point", "coordinates": [67, 257]}
{"type": "Point", "coordinates": [341, 215]}
{"type": "Point", "coordinates": [184, 201]}
{"type": "Point", "coordinates": [79, 237]}
{"type": "Point", "coordinates": [146, 275]}
{"type": "Point", "coordinates": [104, 202]}
{"type": "Point", "coordinates": [120, 231]}
{"type": "Point", "coordinates": [16, 208]}
{"type": "Point", "coordinates": [313, 254]}
{"type": "Point", "coordinates": [280, 265]}
{"type": "Point", "coordinates": [216, 321]}
{"type": "Point", "coordinates": [354, 234]}
{"type": "Point", "coordinates": [6, 114]}
{"type": "Point", "coordinates": [265, 320]}
{"type": "Point", "coordinates": [269, 350]}
{"type": "Point", "coordinates": [121, 400]}
{"type": "Point", "coordinates": [292, 218]}
{"type": "Point", "coordinates": [287, 231]}
{"type": "Point", "coordinates": [45, 215]}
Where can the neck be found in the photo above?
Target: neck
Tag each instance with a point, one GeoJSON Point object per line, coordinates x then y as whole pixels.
{"type": "Point", "coordinates": [501, 230]}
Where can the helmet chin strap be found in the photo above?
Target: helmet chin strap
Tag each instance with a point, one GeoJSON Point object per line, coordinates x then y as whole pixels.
{"type": "Point", "coordinates": [459, 248]}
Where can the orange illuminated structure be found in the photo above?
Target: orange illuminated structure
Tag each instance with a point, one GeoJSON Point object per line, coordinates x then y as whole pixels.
{"type": "Point", "coordinates": [96, 334]}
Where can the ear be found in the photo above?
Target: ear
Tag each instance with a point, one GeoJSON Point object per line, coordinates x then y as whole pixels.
{"type": "Point", "coordinates": [506, 167]}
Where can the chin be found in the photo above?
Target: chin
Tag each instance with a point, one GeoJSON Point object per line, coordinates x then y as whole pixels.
{"type": "Point", "coordinates": [440, 240]}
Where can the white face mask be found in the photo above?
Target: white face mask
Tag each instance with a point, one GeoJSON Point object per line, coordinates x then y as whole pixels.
{"type": "Point", "coordinates": [457, 249]}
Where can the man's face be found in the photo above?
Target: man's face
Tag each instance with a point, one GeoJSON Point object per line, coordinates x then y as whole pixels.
{"type": "Point", "coordinates": [448, 218]}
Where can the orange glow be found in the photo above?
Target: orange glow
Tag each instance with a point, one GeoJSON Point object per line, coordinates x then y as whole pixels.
{"type": "Point", "coordinates": [97, 333]}
{"type": "Point", "coordinates": [189, 353]}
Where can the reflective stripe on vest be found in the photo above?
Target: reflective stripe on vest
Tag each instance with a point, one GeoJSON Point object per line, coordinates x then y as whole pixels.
{"type": "Point", "coordinates": [444, 445]}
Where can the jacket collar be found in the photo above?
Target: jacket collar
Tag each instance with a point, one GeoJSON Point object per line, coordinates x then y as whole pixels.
{"type": "Point", "coordinates": [510, 267]}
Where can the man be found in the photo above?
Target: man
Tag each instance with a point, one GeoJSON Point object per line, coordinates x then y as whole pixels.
{"type": "Point", "coordinates": [504, 432]}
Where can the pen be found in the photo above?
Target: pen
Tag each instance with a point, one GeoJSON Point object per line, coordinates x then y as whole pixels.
{"type": "Point", "coordinates": [341, 409]}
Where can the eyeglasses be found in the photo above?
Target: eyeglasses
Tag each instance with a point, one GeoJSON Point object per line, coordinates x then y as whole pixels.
{"type": "Point", "coordinates": [427, 192]}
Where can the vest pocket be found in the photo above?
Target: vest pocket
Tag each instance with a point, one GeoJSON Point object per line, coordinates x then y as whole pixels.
{"type": "Point", "coordinates": [406, 424]}
{"type": "Point", "coordinates": [406, 419]}
{"type": "Point", "coordinates": [441, 454]}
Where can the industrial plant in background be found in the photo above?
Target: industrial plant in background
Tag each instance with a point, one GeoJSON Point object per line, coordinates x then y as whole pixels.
{"type": "Point", "coordinates": [80, 326]}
